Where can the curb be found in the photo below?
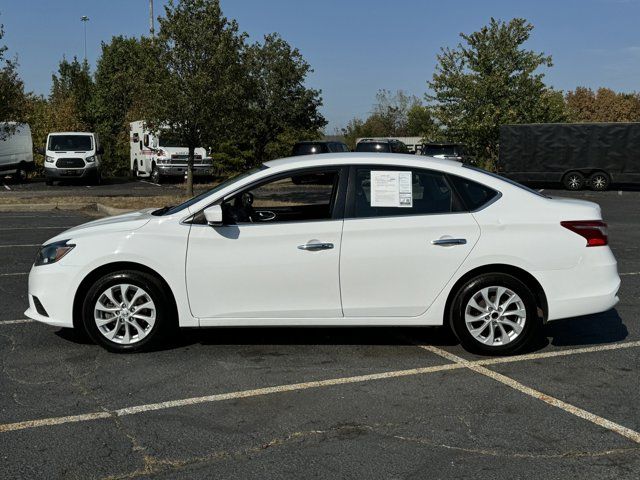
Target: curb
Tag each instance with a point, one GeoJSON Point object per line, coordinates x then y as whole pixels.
{"type": "Point", "coordinates": [47, 207]}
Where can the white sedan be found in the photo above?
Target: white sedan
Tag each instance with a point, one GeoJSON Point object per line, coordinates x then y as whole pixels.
{"type": "Point", "coordinates": [334, 240]}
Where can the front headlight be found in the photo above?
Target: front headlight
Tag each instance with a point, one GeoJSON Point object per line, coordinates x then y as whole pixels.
{"type": "Point", "coordinates": [53, 252]}
{"type": "Point", "coordinates": [91, 159]}
{"type": "Point", "coordinates": [49, 159]}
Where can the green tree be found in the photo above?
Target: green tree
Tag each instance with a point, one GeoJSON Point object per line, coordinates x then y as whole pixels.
{"type": "Point", "coordinates": [281, 107]}
{"type": "Point", "coordinates": [200, 87]}
{"type": "Point", "coordinates": [488, 80]}
{"type": "Point", "coordinates": [71, 95]}
{"type": "Point", "coordinates": [395, 114]}
{"type": "Point", "coordinates": [124, 79]}
{"type": "Point", "coordinates": [13, 101]}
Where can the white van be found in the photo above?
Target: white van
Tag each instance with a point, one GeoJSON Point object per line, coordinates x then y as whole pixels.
{"type": "Point", "coordinates": [159, 155]}
{"type": "Point", "coordinates": [70, 155]}
{"type": "Point", "coordinates": [16, 150]}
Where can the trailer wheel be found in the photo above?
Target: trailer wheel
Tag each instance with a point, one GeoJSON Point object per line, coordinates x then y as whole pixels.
{"type": "Point", "coordinates": [599, 181]}
{"type": "Point", "coordinates": [573, 181]}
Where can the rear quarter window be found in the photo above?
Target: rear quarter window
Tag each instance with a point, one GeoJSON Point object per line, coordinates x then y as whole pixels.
{"type": "Point", "coordinates": [473, 194]}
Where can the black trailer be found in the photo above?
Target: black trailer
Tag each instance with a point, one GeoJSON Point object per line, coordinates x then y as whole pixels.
{"type": "Point", "coordinates": [575, 154]}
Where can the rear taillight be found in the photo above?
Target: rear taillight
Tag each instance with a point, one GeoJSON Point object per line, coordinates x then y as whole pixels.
{"type": "Point", "coordinates": [594, 231]}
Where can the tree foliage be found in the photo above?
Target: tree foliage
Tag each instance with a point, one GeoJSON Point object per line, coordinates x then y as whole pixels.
{"type": "Point", "coordinates": [489, 80]}
{"type": "Point", "coordinates": [13, 101]}
{"type": "Point", "coordinates": [394, 114]}
{"type": "Point", "coordinates": [200, 84]}
{"type": "Point", "coordinates": [71, 94]}
{"type": "Point", "coordinates": [124, 79]}
{"type": "Point", "coordinates": [603, 105]}
{"type": "Point", "coordinates": [282, 110]}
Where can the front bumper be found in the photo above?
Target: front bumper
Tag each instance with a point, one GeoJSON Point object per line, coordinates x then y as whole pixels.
{"type": "Point", "coordinates": [181, 170]}
{"type": "Point", "coordinates": [51, 285]}
{"type": "Point", "coordinates": [62, 173]}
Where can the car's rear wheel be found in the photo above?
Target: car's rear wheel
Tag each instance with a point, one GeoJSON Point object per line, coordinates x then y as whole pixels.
{"type": "Point", "coordinates": [127, 311]}
{"type": "Point", "coordinates": [599, 181]}
{"type": "Point", "coordinates": [495, 314]}
{"type": "Point", "coordinates": [573, 181]}
{"type": "Point", "coordinates": [21, 174]}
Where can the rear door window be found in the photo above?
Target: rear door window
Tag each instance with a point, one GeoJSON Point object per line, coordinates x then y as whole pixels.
{"type": "Point", "coordinates": [419, 192]}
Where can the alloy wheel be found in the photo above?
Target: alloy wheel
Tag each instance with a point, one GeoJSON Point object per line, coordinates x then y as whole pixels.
{"type": "Point", "coordinates": [125, 313]}
{"type": "Point", "coordinates": [495, 315]}
{"type": "Point", "coordinates": [575, 182]}
{"type": "Point", "coordinates": [599, 182]}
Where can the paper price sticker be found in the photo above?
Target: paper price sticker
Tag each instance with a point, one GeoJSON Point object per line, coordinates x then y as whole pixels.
{"type": "Point", "coordinates": [391, 189]}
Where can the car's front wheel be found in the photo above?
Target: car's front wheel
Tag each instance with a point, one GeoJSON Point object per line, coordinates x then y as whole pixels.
{"type": "Point", "coordinates": [127, 311]}
{"type": "Point", "coordinates": [495, 314]}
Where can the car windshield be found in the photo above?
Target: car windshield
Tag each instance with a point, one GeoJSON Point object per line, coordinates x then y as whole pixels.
{"type": "Point", "coordinates": [372, 147]}
{"type": "Point", "coordinates": [70, 143]}
{"type": "Point", "coordinates": [197, 198]}
{"type": "Point", "coordinates": [446, 150]}
{"type": "Point", "coordinates": [508, 180]}
{"type": "Point", "coordinates": [169, 139]}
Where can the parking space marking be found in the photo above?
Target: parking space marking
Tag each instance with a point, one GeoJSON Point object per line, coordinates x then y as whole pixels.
{"type": "Point", "coordinates": [62, 227]}
{"type": "Point", "coordinates": [6, 186]}
{"type": "Point", "coordinates": [14, 322]}
{"type": "Point", "coordinates": [555, 402]}
{"type": "Point", "coordinates": [19, 246]}
{"type": "Point", "coordinates": [10, 427]}
{"type": "Point", "coordinates": [457, 364]}
{"type": "Point", "coordinates": [151, 183]}
{"type": "Point", "coordinates": [629, 273]}
{"type": "Point", "coordinates": [13, 274]}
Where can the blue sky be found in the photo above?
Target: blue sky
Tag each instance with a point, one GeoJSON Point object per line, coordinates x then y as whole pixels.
{"type": "Point", "coordinates": [355, 46]}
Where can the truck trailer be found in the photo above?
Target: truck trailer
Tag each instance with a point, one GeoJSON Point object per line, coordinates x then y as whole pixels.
{"type": "Point", "coordinates": [577, 155]}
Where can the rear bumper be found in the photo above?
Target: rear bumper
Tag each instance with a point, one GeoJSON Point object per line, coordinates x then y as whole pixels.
{"type": "Point", "coordinates": [591, 287]}
{"type": "Point", "coordinates": [181, 170]}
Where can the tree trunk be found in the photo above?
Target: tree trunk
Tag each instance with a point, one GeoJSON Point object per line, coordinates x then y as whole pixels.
{"type": "Point", "coordinates": [192, 150]}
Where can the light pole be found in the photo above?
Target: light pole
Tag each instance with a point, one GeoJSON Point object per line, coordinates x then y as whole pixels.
{"type": "Point", "coordinates": [84, 19]}
{"type": "Point", "coordinates": [151, 26]}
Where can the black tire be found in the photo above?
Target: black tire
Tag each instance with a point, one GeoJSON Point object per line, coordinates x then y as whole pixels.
{"type": "Point", "coordinates": [21, 175]}
{"type": "Point", "coordinates": [599, 181]}
{"type": "Point", "coordinates": [164, 311]}
{"type": "Point", "coordinates": [134, 171]}
{"type": "Point", "coordinates": [530, 329]}
{"type": "Point", "coordinates": [155, 175]}
{"type": "Point", "coordinates": [573, 181]}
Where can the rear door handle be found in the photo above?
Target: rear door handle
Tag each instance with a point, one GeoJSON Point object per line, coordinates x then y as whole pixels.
{"type": "Point", "coordinates": [316, 246]}
{"type": "Point", "coordinates": [446, 242]}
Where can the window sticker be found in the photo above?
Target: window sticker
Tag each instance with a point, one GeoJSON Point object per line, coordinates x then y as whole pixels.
{"type": "Point", "coordinates": [391, 189]}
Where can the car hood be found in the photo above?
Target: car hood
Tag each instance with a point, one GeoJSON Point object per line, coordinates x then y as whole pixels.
{"type": "Point", "coordinates": [126, 222]}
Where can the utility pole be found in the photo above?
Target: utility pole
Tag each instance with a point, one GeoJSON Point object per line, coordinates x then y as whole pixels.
{"type": "Point", "coordinates": [84, 19]}
{"type": "Point", "coordinates": [151, 25]}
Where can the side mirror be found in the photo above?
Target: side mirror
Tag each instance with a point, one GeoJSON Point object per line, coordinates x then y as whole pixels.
{"type": "Point", "coordinates": [145, 140]}
{"type": "Point", "coordinates": [100, 150]}
{"type": "Point", "coordinates": [213, 215]}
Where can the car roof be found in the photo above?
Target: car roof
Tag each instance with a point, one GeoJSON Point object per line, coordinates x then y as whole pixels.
{"type": "Point", "coordinates": [347, 158]}
{"type": "Point", "coordinates": [70, 133]}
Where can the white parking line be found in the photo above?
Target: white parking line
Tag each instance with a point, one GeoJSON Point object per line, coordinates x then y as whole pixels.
{"type": "Point", "coordinates": [20, 246]}
{"type": "Point", "coordinates": [62, 227]}
{"type": "Point", "coordinates": [629, 273]}
{"type": "Point", "coordinates": [133, 410]}
{"type": "Point", "coordinates": [6, 186]}
{"type": "Point", "coordinates": [14, 322]}
{"type": "Point", "coordinates": [567, 407]}
{"type": "Point", "coordinates": [151, 183]}
{"type": "Point", "coordinates": [13, 274]}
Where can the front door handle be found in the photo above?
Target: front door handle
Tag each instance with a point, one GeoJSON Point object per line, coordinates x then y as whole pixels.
{"type": "Point", "coordinates": [312, 247]}
{"type": "Point", "coordinates": [446, 242]}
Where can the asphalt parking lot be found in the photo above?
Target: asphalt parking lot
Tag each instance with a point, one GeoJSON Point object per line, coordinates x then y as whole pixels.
{"type": "Point", "coordinates": [320, 403]}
